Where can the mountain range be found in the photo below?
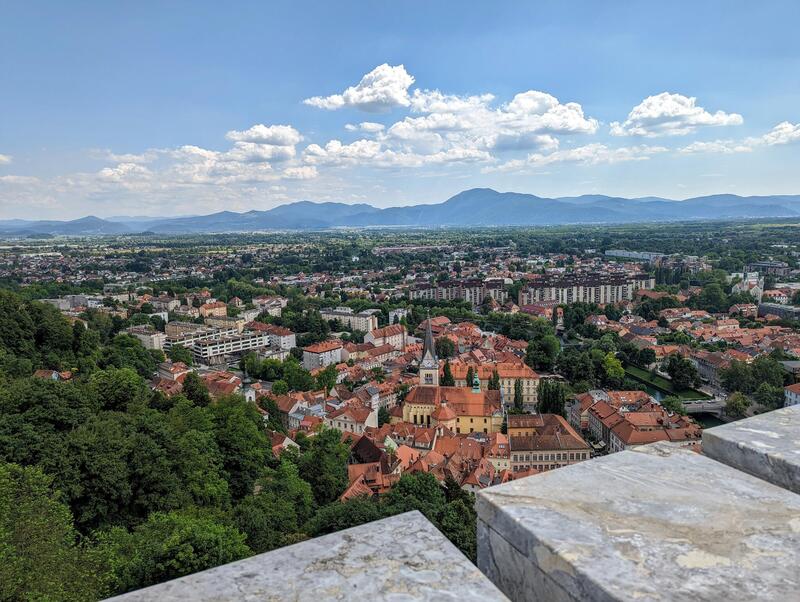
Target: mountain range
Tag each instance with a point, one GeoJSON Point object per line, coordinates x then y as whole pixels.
{"type": "Point", "coordinates": [475, 207]}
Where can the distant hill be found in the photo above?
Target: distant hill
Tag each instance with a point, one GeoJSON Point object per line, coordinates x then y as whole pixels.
{"type": "Point", "coordinates": [476, 207]}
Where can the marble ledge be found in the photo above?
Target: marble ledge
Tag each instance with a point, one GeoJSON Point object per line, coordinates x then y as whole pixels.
{"type": "Point", "coordinates": [399, 559]}
{"type": "Point", "coordinates": [766, 446]}
{"type": "Point", "coordinates": [658, 523]}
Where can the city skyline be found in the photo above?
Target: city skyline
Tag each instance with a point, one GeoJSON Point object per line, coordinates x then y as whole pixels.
{"type": "Point", "coordinates": [153, 110]}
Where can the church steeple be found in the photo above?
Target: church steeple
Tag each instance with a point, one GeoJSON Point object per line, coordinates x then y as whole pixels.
{"type": "Point", "coordinates": [429, 366]}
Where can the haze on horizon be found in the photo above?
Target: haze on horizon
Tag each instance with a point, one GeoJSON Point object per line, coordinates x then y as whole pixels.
{"type": "Point", "coordinates": [191, 108]}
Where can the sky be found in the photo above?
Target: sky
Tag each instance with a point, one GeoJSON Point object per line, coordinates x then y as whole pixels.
{"type": "Point", "coordinates": [184, 108]}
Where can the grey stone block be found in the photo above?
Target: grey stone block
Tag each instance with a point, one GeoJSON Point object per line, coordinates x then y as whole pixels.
{"type": "Point", "coordinates": [766, 446]}
{"type": "Point", "coordinates": [398, 559]}
{"type": "Point", "coordinates": [658, 523]}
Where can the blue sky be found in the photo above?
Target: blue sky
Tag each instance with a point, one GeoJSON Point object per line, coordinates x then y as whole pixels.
{"type": "Point", "coordinates": [170, 108]}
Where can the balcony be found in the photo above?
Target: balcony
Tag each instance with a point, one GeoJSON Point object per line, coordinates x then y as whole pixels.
{"type": "Point", "coordinates": [658, 523]}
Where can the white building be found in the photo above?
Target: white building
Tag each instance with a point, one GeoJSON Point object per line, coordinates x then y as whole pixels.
{"type": "Point", "coordinates": [791, 395]}
{"type": "Point", "coordinates": [322, 354]}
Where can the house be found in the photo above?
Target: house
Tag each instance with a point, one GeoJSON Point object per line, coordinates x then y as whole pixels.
{"type": "Point", "coordinates": [508, 374]}
{"type": "Point", "coordinates": [220, 383]}
{"type": "Point", "coordinates": [47, 374]}
{"type": "Point", "coordinates": [216, 308]}
{"type": "Point", "coordinates": [394, 335]}
{"type": "Point", "coordinates": [791, 395]}
{"type": "Point", "coordinates": [544, 442]}
{"type": "Point", "coordinates": [352, 418]}
{"type": "Point", "coordinates": [322, 354]}
{"type": "Point", "coordinates": [170, 370]}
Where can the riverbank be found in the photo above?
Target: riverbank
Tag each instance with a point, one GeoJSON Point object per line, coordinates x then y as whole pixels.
{"type": "Point", "coordinates": [663, 385]}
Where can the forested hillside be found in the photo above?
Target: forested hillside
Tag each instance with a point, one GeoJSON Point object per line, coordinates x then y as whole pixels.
{"type": "Point", "coordinates": [106, 487]}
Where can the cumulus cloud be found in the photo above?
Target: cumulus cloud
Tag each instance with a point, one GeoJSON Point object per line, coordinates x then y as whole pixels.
{"type": "Point", "coordinates": [668, 114]}
{"type": "Point", "coordinates": [306, 172]}
{"type": "Point", "coordinates": [277, 135]}
{"type": "Point", "coordinates": [726, 147]}
{"type": "Point", "coordinates": [5, 159]}
{"type": "Point", "coordinates": [146, 157]}
{"type": "Point", "coordinates": [783, 133]}
{"type": "Point", "coordinates": [123, 172]}
{"type": "Point", "coordinates": [590, 154]}
{"type": "Point", "coordinates": [368, 127]}
{"type": "Point", "coordinates": [383, 88]}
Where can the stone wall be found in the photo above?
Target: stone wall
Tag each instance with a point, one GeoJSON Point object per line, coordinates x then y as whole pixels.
{"type": "Point", "coordinates": [658, 523]}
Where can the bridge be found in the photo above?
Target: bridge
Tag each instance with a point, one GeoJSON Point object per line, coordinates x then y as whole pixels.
{"type": "Point", "coordinates": [705, 406]}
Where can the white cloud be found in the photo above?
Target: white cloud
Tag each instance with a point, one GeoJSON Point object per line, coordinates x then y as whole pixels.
{"type": "Point", "coordinates": [590, 154]}
{"type": "Point", "coordinates": [368, 127]}
{"type": "Point", "coordinates": [668, 114]}
{"type": "Point", "coordinates": [306, 172]}
{"type": "Point", "coordinates": [383, 88]}
{"type": "Point", "coordinates": [334, 152]}
{"type": "Point", "coordinates": [146, 157]}
{"type": "Point", "coordinates": [726, 147]}
{"type": "Point", "coordinates": [19, 180]}
{"type": "Point", "coordinates": [250, 152]}
{"type": "Point", "coordinates": [123, 172]}
{"type": "Point", "coordinates": [783, 133]}
{"type": "Point", "coordinates": [277, 135]}
{"type": "Point", "coordinates": [5, 159]}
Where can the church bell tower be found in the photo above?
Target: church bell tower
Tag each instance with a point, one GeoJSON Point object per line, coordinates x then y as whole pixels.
{"type": "Point", "coordinates": [429, 366]}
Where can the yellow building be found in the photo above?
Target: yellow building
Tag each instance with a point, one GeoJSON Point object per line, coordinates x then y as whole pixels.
{"type": "Point", "coordinates": [507, 372]}
{"type": "Point", "coordinates": [461, 409]}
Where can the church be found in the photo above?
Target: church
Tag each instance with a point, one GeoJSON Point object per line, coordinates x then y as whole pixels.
{"type": "Point", "coordinates": [460, 409]}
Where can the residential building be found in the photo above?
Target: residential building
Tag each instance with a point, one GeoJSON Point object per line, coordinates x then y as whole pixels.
{"type": "Point", "coordinates": [589, 288]}
{"type": "Point", "coordinates": [148, 336]}
{"type": "Point", "coordinates": [508, 373]}
{"type": "Point", "coordinates": [364, 321]}
{"type": "Point", "coordinates": [543, 442]}
{"type": "Point", "coordinates": [322, 354]}
{"type": "Point", "coordinates": [394, 335]}
{"type": "Point", "coordinates": [791, 395]}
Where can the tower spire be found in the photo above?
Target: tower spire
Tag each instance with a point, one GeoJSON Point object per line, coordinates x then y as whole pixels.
{"type": "Point", "coordinates": [429, 366]}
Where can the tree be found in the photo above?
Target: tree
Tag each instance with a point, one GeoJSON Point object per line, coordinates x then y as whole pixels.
{"type": "Point", "coordinates": [737, 377]}
{"type": "Point", "coordinates": [470, 376]}
{"type": "Point", "coordinates": [769, 395]}
{"type": "Point", "coordinates": [119, 389]}
{"type": "Point", "coordinates": [126, 351]}
{"type": "Point", "coordinates": [614, 371]}
{"type": "Point", "coordinates": [343, 515]}
{"type": "Point", "coordinates": [279, 387]}
{"type": "Point", "coordinates": [645, 357]}
{"type": "Point", "coordinates": [326, 378]}
{"type": "Point", "coordinates": [167, 546]}
{"type": "Point", "coordinates": [42, 557]}
{"type": "Point", "coordinates": [736, 405]}
{"type": "Point", "coordinates": [324, 465]}
{"type": "Point", "coordinates": [179, 353]}
{"type": "Point", "coordinates": [541, 353]}
{"type": "Point", "coordinates": [551, 397]}
{"type": "Point", "coordinates": [297, 377]}
{"type": "Point", "coordinates": [447, 376]}
{"type": "Point", "coordinates": [682, 372]}
{"type": "Point", "coordinates": [273, 517]}
{"type": "Point", "coordinates": [240, 436]}
{"type": "Point", "coordinates": [494, 382]}
{"type": "Point", "coordinates": [418, 491]}
{"type": "Point", "coordinates": [383, 416]}
{"type": "Point", "coordinates": [673, 404]}
{"type": "Point", "coordinates": [518, 401]}
{"type": "Point", "coordinates": [195, 390]}
{"type": "Point", "coordinates": [445, 348]}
